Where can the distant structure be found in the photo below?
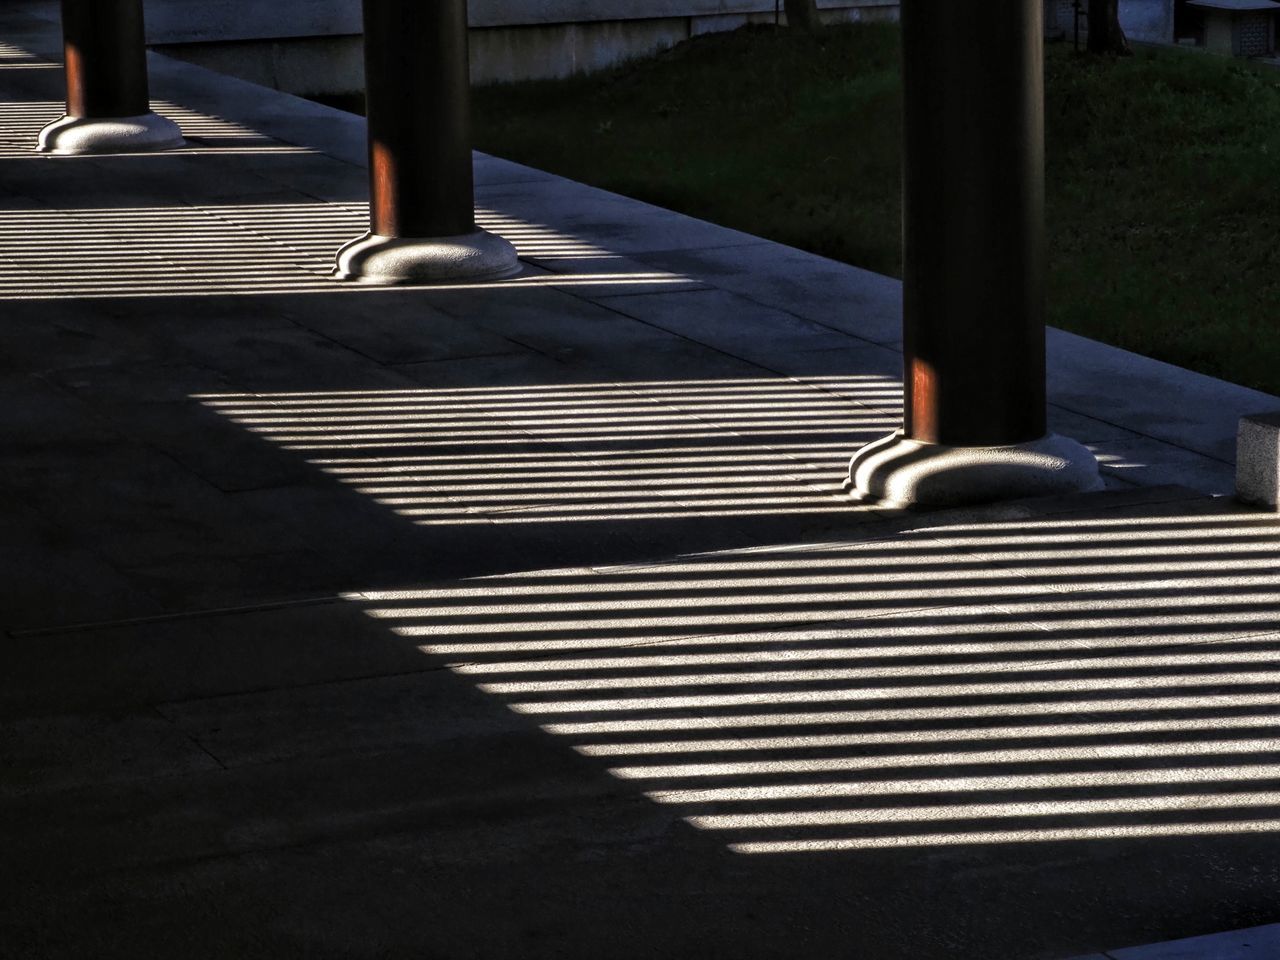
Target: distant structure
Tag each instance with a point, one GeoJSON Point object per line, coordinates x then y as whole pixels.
{"type": "Point", "coordinates": [1147, 21]}
{"type": "Point", "coordinates": [313, 46]}
{"type": "Point", "coordinates": [1239, 28]}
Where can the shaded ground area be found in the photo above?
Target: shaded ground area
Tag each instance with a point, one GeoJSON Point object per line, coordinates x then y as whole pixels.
{"type": "Point", "coordinates": [528, 619]}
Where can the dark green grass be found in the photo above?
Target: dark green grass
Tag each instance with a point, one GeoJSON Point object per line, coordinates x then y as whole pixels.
{"type": "Point", "coordinates": [1163, 172]}
{"type": "Point", "coordinates": [768, 131]}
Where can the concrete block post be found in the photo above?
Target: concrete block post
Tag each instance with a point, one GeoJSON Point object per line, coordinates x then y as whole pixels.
{"type": "Point", "coordinates": [974, 267]}
{"type": "Point", "coordinates": [1258, 460]}
{"type": "Point", "coordinates": [422, 194]}
{"type": "Point", "coordinates": [108, 105]}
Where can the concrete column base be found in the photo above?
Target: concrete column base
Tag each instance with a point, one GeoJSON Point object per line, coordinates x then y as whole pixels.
{"type": "Point", "coordinates": [900, 472]}
{"type": "Point", "coordinates": [476, 256]}
{"type": "Point", "coordinates": [88, 135]}
{"type": "Point", "coordinates": [1258, 460]}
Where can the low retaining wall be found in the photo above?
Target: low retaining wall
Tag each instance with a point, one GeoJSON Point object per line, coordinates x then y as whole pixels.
{"type": "Point", "coordinates": [313, 46]}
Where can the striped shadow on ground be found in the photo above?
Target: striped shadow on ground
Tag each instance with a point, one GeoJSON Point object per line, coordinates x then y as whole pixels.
{"type": "Point", "coordinates": [1086, 678]}
{"type": "Point", "coordinates": [1041, 681]}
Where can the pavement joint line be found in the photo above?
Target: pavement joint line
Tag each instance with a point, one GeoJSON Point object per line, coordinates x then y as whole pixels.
{"type": "Point", "coordinates": [858, 341]}
{"type": "Point", "coordinates": [189, 736]}
{"type": "Point", "coordinates": [470, 356]}
{"type": "Point", "coordinates": [159, 705]}
{"type": "Point", "coordinates": [91, 625]}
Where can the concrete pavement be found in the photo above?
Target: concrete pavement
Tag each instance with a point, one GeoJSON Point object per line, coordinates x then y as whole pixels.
{"type": "Point", "coordinates": [529, 620]}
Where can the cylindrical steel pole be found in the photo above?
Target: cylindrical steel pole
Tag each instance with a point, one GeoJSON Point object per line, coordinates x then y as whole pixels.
{"type": "Point", "coordinates": [974, 417]}
{"type": "Point", "coordinates": [973, 221]}
{"type": "Point", "coordinates": [108, 105]}
{"type": "Point", "coordinates": [106, 58]}
{"type": "Point", "coordinates": [421, 188]}
{"type": "Point", "coordinates": [417, 90]}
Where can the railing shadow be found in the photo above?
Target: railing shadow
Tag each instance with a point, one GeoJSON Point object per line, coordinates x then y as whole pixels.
{"type": "Point", "coordinates": [1083, 678]}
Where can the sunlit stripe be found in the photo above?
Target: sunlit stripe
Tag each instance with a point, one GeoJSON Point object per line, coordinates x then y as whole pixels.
{"type": "Point", "coordinates": [719, 478]}
{"type": "Point", "coordinates": [614, 513]}
{"type": "Point", "coordinates": [717, 455]}
{"type": "Point", "coordinates": [643, 495]}
{"type": "Point", "coordinates": [584, 410]}
{"type": "Point", "coordinates": [983, 783]}
{"type": "Point", "coordinates": [620, 395]}
{"type": "Point", "coordinates": [1110, 832]}
{"type": "Point", "coordinates": [973, 649]}
{"type": "Point", "coordinates": [817, 675]}
{"type": "Point", "coordinates": [875, 816]}
{"type": "Point", "coordinates": [655, 387]}
{"type": "Point", "coordinates": [697, 603]}
{"type": "Point", "coordinates": [1187, 725]}
{"type": "Point", "coordinates": [642, 426]}
{"type": "Point", "coordinates": [814, 447]}
{"type": "Point", "coordinates": [1208, 623]}
{"type": "Point", "coordinates": [634, 413]}
{"type": "Point", "coordinates": [939, 714]}
{"type": "Point", "coordinates": [714, 587]}
{"type": "Point", "coordinates": [1011, 755]}
{"type": "Point", "coordinates": [864, 694]}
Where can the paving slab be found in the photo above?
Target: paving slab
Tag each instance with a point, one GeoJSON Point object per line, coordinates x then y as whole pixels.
{"type": "Point", "coordinates": [861, 303]}
{"type": "Point", "coordinates": [1155, 399]}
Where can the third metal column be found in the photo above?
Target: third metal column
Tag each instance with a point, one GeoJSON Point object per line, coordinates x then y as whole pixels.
{"type": "Point", "coordinates": [973, 221]}
{"type": "Point", "coordinates": [974, 419]}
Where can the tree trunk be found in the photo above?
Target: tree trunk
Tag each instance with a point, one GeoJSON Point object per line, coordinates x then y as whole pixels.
{"type": "Point", "coordinates": [802, 14]}
{"type": "Point", "coordinates": [1105, 33]}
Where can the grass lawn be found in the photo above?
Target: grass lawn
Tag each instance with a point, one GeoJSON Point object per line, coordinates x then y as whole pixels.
{"type": "Point", "coordinates": [1163, 171]}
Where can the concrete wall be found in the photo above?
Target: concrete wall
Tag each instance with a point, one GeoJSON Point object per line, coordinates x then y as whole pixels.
{"type": "Point", "coordinates": [313, 46]}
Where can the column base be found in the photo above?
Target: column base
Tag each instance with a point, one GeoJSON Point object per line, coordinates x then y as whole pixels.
{"type": "Point", "coordinates": [476, 256]}
{"type": "Point", "coordinates": [88, 135]}
{"type": "Point", "coordinates": [900, 472]}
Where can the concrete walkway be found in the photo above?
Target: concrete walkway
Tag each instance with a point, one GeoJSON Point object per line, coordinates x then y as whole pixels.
{"type": "Point", "coordinates": [528, 619]}
{"type": "Point", "coordinates": [1256, 943]}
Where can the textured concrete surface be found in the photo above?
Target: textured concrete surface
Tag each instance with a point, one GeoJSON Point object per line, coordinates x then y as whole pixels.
{"type": "Point", "coordinates": [1252, 944]}
{"type": "Point", "coordinates": [1258, 460]}
{"type": "Point", "coordinates": [528, 619]}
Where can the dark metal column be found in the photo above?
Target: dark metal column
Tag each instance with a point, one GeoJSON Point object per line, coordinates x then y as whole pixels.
{"type": "Point", "coordinates": [973, 226]}
{"type": "Point", "coordinates": [108, 106]}
{"type": "Point", "coordinates": [421, 187]}
{"type": "Point", "coordinates": [418, 93]}
{"type": "Point", "coordinates": [974, 417]}
{"type": "Point", "coordinates": [106, 58]}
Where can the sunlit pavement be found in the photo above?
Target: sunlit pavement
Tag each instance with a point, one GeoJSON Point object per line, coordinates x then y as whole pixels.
{"type": "Point", "coordinates": [530, 619]}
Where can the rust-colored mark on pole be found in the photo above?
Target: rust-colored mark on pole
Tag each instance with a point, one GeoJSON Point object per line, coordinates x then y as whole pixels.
{"type": "Point", "coordinates": [921, 421]}
{"type": "Point", "coordinates": [74, 65]}
{"type": "Point", "coordinates": [383, 195]}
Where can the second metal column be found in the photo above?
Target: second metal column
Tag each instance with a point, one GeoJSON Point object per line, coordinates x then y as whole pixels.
{"type": "Point", "coordinates": [421, 203]}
